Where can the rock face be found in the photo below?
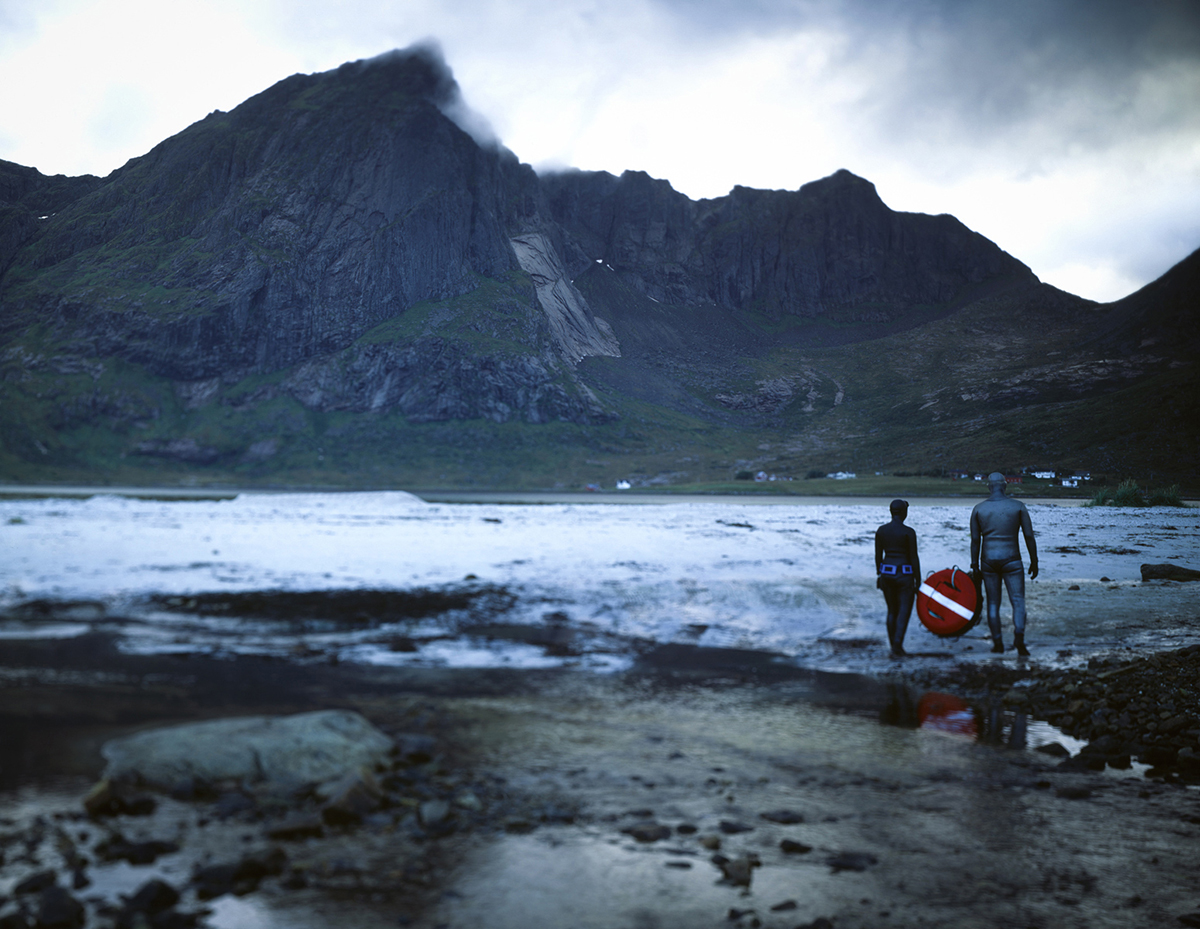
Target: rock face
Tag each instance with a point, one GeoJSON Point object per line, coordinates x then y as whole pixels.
{"type": "Point", "coordinates": [289, 750]}
{"type": "Point", "coordinates": [831, 248]}
{"type": "Point", "coordinates": [341, 244]}
{"type": "Point", "coordinates": [279, 235]}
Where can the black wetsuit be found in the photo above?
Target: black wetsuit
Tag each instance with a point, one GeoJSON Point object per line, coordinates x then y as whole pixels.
{"type": "Point", "coordinates": [899, 571]}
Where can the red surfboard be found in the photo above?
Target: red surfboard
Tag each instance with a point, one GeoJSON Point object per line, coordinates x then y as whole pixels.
{"type": "Point", "coordinates": [948, 603]}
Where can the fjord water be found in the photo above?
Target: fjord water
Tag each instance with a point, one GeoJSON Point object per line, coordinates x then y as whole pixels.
{"type": "Point", "coordinates": [470, 584]}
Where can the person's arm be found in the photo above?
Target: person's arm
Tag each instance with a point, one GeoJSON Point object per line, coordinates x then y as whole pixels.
{"type": "Point", "coordinates": [916, 559]}
{"type": "Point", "coordinates": [1030, 542]}
{"type": "Point", "coordinates": [878, 550]}
{"type": "Point", "coordinates": [975, 540]}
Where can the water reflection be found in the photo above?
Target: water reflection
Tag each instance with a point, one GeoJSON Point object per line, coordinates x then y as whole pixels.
{"type": "Point", "coordinates": [941, 712]}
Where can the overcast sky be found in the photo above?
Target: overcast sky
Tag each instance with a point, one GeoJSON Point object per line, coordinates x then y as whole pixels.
{"type": "Point", "coordinates": [1067, 131]}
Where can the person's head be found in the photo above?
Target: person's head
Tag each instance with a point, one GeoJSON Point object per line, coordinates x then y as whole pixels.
{"type": "Point", "coordinates": [899, 509]}
{"type": "Point", "coordinates": [996, 482]}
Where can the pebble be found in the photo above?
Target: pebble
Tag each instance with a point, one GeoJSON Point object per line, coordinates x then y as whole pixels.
{"type": "Point", "coordinates": [648, 832]}
{"type": "Point", "coordinates": [57, 909]}
{"type": "Point", "coordinates": [792, 847]}
{"type": "Point", "coordinates": [732, 827]}
{"type": "Point", "coordinates": [783, 817]}
{"type": "Point", "coordinates": [851, 861]}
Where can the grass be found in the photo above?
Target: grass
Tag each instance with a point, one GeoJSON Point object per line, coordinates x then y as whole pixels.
{"type": "Point", "coordinates": [1128, 493]}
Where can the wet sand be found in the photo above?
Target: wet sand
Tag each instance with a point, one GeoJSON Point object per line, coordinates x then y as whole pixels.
{"type": "Point", "coordinates": [900, 824]}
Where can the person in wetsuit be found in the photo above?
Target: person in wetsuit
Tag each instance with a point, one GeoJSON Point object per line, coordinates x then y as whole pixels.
{"type": "Point", "coordinates": [994, 548]}
{"type": "Point", "coordinates": [899, 572]}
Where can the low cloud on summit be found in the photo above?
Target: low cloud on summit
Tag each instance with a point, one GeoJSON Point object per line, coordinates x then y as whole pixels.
{"type": "Point", "coordinates": [1066, 131]}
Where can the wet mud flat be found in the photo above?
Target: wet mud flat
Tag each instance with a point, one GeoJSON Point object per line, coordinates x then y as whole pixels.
{"type": "Point", "coordinates": [703, 787]}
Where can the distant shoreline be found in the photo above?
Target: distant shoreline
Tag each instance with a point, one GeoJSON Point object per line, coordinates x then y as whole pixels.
{"type": "Point", "coordinates": [533, 497]}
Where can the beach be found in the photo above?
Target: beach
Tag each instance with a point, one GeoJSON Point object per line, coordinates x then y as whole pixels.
{"type": "Point", "coordinates": [651, 736]}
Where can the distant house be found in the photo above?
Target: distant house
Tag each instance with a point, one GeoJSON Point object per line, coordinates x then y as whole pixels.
{"type": "Point", "coordinates": [1044, 475]}
{"type": "Point", "coordinates": [1013, 479]}
{"type": "Point", "coordinates": [760, 476]}
{"type": "Point", "coordinates": [979, 477]}
{"type": "Point", "coordinates": [623, 485]}
{"type": "Point", "coordinates": [1070, 482]}
{"type": "Point", "coordinates": [842, 476]}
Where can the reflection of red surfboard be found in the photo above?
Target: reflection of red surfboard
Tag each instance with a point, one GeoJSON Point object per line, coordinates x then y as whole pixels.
{"type": "Point", "coordinates": [948, 603]}
{"type": "Point", "coordinates": [946, 713]}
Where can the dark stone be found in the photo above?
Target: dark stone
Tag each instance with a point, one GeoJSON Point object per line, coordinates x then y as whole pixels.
{"type": "Point", "coordinates": [153, 897]}
{"type": "Point", "coordinates": [738, 914]}
{"type": "Point", "coordinates": [1190, 919]}
{"type": "Point", "coordinates": [1168, 572]}
{"type": "Point", "coordinates": [414, 749]}
{"type": "Point", "coordinates": [784, 906]}
{"type": "Point", "coordinates": [686, 829]}
{"type": "Point", "coordinates": [851, 861]}
{"type": "Point", "coordinates": [784, 817]}
{"type": "Point", "coordinates": [731, 827]}
{"type": "Point", "coordinates": [14, 921]}
{"type": "Point", "coordinates": [792, 847]}
{"type": "Point", "coordinates": [240, 878]}
{"type": "Point", "coordinates": [36, 883]}
{"type": "Point", "coordinates": [648, 832]}
{"type": "Point", "coordinates": [57, 909]}
{"type": "Point", "coordinates": [821, 922]}
{"type": "Point", "coordinates": [297, 826]}
{"type": "Point", "coordinates": [118, 848]}
{"type": "Point", "coordinates": [1158, 755]}
{"type": "Point", "coordinates": [1054, 749]}
{"type": "Point", "coordinates": [1073, 792]}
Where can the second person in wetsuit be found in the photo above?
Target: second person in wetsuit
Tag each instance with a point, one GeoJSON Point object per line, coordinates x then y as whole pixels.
{"type": "Point", "coordinates": [899, 572]}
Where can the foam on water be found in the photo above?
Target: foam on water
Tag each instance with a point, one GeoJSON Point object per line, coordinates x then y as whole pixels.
{"type": "Point", "coordinates": [723, 573]}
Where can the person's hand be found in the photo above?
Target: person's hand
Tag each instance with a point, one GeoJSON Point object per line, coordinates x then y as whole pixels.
{"type": "Point", "coordinates": [879, 583]}
{"type": "Point", "coordinates": [1033, 570]}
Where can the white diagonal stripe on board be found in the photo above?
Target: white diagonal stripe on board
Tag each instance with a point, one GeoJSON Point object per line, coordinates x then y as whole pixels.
{"type": "Point", "coordinates": [945, 601]}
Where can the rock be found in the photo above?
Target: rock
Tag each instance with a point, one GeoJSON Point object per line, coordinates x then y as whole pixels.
{"type": "Point", "coordinates": [731, 827]}
{"type": "Point", "coordinates": [686, 829]}
{"type": "Point", "coordinates": [415, 749]}
{"type": "Point", "coordinates": [433, 812]}
{"type": "Point", "coordinates": [792, 847]}
{"type": "Point", "coordinates": [784, 817]}
{"type": "Point", "coordinates": [290, 750]}
{"type": "Point", "coordinates": [1168, 572]}
{"type": "Point", "coordinates": [350, 798]}
{"type": "Point", "coordinates": [240, 878]}
{"type": "Point", "coordinates": [737, 871]}
{"type": "Point", "coordinates": [14, 921]}
{"type": "Point", "coordinates": [851, 861]}
{"type": "Point", "coordinates": [648, 832]}
{"type": "Point", "coordinates": [117, 798]}
{"type": "Point", "coordinates": [735, 913]}
{"type": "Point", "coordinates": [152, 897]}
{"type": "Point", "coordinates": [820, 922]}
{"type": "Point", "coordinates": [1073, 792]}
{"type": "Point", "coordinates": [298, 826]}
{"type": "Point", "coordinates": [710, 842]}
{"type": "Point", "coordinates": [117, 848]}
{"type": "Point", "coordinates": [1189, 919]}
{"type": "Point", "coordinates": [36, 883]}
{"type": "Point", "coordinates": [785, 906]}
{"type": "Point", "coordinates": [1054, 750]}
{"type": "Point", "coordinates": [57, 909]}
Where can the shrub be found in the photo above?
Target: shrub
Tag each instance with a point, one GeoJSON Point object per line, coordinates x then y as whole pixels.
{"type": "Point", "coordinates": [1128, 493]}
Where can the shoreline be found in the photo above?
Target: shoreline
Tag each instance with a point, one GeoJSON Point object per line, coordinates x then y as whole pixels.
{"type": "Point", "coordinates": [533, 497]}
{"type": "Point", "coordinates": [693, 746]}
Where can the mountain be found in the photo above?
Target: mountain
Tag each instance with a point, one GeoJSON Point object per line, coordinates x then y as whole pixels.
{"type": "Point", "coordinates": [343, 280]}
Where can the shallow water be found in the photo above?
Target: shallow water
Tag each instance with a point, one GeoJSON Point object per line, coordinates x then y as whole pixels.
{"type": "Point", "coordinates": [793, 577]}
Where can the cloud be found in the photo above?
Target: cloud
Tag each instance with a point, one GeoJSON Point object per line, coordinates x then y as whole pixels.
{"type": "Point", "coordinates": [1064, 130]}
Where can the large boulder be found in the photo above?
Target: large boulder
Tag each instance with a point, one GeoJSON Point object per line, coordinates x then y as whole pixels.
{"type": "Point", "coordinates": [289, 750]}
